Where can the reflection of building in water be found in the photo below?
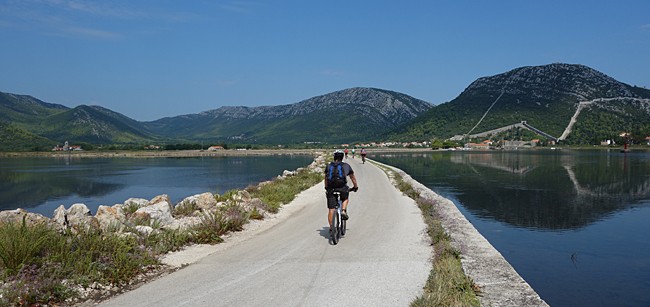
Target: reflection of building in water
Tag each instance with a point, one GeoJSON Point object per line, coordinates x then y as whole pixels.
{"type": "Point", "coordinates": [498, 162]}
{"type": "Point", "coordinates": [637, 191]}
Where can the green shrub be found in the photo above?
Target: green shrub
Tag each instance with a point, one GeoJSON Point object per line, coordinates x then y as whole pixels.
{"type": "Point", "coordinates": [34, 285]}
{"type": "Point", "coordinates": [21, 244]}
{"type": "Point", "coordinates": [280, 192]}
{"type": "Point", "coordinates": [81, 258]}
{"type": "Point", "coordinates": [255, 214]}
{"type": "Point", "coordinates": [185, 209]}
{"type": "Point", "coordinates": [166, 240]}
{"type": "Point", "coordinates": [235, 217]}
{"type": "Point", "coordinates": [212, 227]}
{"type": "Point", "coordinates": [227, 196]}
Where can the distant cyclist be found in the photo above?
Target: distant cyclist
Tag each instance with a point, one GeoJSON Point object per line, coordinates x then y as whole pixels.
{"type": "Point", "coordinates": [352, 153]}
{"type": "Point", "coordinates": [363, 155]}
{"type": "Point", "coordinates": [346, 153]}
{"type": "Point", "coordinates": [335, 181]}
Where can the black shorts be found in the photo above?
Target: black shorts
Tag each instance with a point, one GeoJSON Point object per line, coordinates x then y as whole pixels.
{"type": "Point", "coordinates": [332, 198]}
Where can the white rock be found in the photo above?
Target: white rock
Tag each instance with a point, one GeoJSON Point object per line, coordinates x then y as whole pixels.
{"type": "Point", "coordinates": [110, 218]}
{"type": "Point", "coordinates": [145, 230]}
{"type": "Point", "coordinates": [161, 212]}
{"type": "Point", "coordinates": [205, 201]}
{"type": "Point", "coordinates": [137, 202]}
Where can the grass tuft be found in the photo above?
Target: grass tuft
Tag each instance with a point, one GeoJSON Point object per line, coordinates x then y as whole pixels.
{"type": "Point", "coordinates": [283, 191]}
{"type": "Point", "coordinates": [185, 209]}
{"type": "Point", "coordinates": [211, 228]}
{"type": "Point", "coordinates": [20, 244]}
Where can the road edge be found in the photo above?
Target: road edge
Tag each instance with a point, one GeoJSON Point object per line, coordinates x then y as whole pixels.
{"type": "Point", "coordinates": [499, 282]}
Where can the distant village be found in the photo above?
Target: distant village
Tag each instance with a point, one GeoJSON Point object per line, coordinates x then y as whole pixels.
{"type": "Point", "coordinates": [67, 147]}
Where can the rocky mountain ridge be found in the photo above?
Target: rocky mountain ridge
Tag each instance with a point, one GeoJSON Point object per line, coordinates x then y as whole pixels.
{"type": "Point", "coordinates": [313, 119]}
{"type": "Point", "coordinates": [378, 110]}
{"type": "Point", "coordinates": [546, 97]}
{"type": "Point", "coordinates": [387, 104]}
{"type": "Point", "coordinates": [579, 81]}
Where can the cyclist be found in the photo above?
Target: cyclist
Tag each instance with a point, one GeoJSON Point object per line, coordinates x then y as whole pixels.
{"type": "Point", "coordinates": [352, 153]}
{"type": "Point", "coordinates": [363, 155]}
{"type": "Point", "coordinates": [330, 187]}
{"type": "Point", "coordinates": [346, 153]}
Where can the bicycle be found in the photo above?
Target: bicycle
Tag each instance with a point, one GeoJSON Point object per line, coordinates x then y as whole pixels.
{"type": "Point", "coordinates": [339, 225]}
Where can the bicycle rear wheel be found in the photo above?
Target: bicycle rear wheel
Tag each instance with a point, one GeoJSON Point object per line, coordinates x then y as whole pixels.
{"type": "Point", "coordinates": [343, 226]}
{"type": "Point", "coordinates": [334, 234]}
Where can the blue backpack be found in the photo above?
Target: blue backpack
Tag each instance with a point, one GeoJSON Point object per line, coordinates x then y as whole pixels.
{"type": "Point", "coordinates": [335, 175]}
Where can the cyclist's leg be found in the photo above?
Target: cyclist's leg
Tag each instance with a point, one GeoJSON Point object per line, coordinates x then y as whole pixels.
{"type": "Point", "coordinates": [345, 194]}
{"type": "Point", "coordinates": [344, 202]}
{"type": "Point", "coordinates": [330, 214]}
{"type": "Point", "coordinates": [331, 204]}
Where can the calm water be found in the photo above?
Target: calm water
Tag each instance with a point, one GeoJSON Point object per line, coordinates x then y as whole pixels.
{"type": "Point", "coordinates": [574, 224]}
{"type": "Point", "coordinates": [42, 184]}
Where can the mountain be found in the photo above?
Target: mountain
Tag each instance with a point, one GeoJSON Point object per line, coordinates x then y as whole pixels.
{"type": "Point", "coordinates": [573, 103]}
{"type": "Point", "coordinates": [23, 109]}
{"type": "Point", "coordinates": [348, 115]}
{"type": "Point", "coordinates": [29, 123]}
{"type": "Point", "coordinates": [546, 97]}
{"type": "Point", "coordinates": [93, 124]}
{"type": "Point", "coordinates": [342, 116]}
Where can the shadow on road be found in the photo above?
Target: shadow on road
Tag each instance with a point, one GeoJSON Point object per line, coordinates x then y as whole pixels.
{"type": "Point", "coordinates": [324, 232]}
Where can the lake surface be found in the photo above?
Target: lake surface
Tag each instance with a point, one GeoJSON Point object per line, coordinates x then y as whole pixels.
{"type": "Point", "coordinates": [574, 224]}
{"type": "Point", "coordinates": [40, 185]}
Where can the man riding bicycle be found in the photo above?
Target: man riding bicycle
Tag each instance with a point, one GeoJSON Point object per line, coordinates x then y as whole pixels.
{"type": "Point", "coordinates": [335, 181]}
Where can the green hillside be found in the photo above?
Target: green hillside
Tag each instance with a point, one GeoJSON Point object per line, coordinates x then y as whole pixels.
{"type": "Point", "coordinates": [14, 138]}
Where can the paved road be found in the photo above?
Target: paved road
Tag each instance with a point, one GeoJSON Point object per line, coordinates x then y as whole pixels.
{"type": "Point", "coordinates": [384, 260]}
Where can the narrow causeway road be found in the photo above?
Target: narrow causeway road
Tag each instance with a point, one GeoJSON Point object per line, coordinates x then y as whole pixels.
{"type": "Point", "coordinates": [384, 259]}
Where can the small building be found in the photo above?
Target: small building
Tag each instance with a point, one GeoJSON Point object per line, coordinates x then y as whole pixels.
{"type": "Point", "coordinates": [480, 146]}
{"type": "Point", "coordinates": [514, 144]}
{"type": "Point", "coordinates": [215, 148]}
{"type": "Point", "coordinates": [67, 147]}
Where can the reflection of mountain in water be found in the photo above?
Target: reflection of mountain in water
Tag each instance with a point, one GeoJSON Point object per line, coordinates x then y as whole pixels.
{"type": "Point", "coordinates": [535, 189]}
{"type": "Point", "coordinates": [31, 189]}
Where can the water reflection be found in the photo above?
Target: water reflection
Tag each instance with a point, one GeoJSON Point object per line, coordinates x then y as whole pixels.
{"type": "Point", "coordinates": [42, 184]}
{"type": "Point", "coordinates": [541, 189]}
{"type": "Point", "coordinates": [31, 182]}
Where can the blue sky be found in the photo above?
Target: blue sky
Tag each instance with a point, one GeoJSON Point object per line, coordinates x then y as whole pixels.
{"type": "Point", "coordinates": [151, 59]}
